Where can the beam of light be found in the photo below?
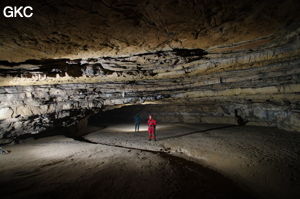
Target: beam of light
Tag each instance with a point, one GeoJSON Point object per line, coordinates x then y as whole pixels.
{"type": "Point", "coordinates": [127, 128]}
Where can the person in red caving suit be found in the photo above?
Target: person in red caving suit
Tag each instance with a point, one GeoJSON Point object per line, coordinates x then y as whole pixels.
{"type": "Point", "coordinates": [151, 128]}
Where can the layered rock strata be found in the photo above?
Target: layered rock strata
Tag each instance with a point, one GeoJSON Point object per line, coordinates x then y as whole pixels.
{"type": "Point", "coordinates": [258, 79]}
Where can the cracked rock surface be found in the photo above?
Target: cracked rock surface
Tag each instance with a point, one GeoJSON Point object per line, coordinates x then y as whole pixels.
{"type": "Point", "coordinates": [87, 28]}
{"type": "Point", "coordinates": [194, 61]}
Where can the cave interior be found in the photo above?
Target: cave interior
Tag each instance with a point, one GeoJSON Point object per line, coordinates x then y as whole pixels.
{"type": "Point", "coordinates": [221, 78]}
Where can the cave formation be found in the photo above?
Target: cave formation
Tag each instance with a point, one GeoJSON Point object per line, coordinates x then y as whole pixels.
{"type": "Point", "coordinates": [221, 78]}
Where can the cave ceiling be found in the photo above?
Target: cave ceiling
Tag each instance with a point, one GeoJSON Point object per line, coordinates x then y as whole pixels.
{"type": "Point", "coordinates": [89, 29]}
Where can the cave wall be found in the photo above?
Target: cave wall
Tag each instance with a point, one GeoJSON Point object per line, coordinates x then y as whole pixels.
{"type": "Point", "coordinates": [258, 114]}
{"type": "Point", "coordinates": [188, 85]}
{"type": "Point", "coordinates": [35, 109]}
{"type": "Point", "coordinates": [251, 66]}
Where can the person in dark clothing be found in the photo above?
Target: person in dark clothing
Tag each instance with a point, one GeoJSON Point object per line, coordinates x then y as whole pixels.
{"type": "Point", "coordinates": [137, 122]}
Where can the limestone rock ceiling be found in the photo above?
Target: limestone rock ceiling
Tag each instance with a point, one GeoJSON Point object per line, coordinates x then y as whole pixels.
{"type": "Point", "coordinates": [88, 28]}
{"type": "Point", "coordinates": [200, 61]}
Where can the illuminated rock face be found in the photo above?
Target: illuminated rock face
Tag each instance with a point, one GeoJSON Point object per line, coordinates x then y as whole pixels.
{"type": "Point", "coordinates": [251, 67]}
{"type": "Point", "coordinates": [88, 28]}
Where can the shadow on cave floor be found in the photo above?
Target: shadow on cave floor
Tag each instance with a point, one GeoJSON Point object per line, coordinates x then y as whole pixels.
{"type": "Point", "coordinates": [197, 131]}
{"type": "Point", "coordinates": [160, 137]}
{"type": "Point", "coordinates": [116, 162]}
{"type": "Point", "coordinates": [259, 154]}
{"type": "Point", "coordinates": [164, 132]}
{"type": "Point", "coordinates": [77, 170]}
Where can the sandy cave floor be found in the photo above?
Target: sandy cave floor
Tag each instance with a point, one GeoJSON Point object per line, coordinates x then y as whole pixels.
{"type": "Point", "coordinates": [115, 162]}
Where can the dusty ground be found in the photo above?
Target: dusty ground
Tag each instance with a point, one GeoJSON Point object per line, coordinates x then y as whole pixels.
{"type": "Point", "coordinates": [262, 161]}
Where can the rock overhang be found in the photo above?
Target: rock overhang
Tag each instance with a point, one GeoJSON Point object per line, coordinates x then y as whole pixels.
{"type": "Point", "coordinates": [213, 58]}
{"type": "Point", "coordinates": [91, 29]}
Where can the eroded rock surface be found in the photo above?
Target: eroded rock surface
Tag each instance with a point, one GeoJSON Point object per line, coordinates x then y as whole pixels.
{"type": "Point", "coordinates": [198, 61]}
{"type": "Point", "coordinates": [87, 28]}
